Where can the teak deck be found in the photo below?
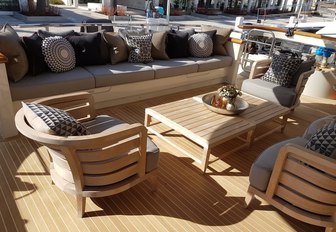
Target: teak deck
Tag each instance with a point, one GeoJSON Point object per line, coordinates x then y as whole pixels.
{"type": "Point", "coordinates": [186, 200]}
{"type": "Point", "coordinates": [190, 118]}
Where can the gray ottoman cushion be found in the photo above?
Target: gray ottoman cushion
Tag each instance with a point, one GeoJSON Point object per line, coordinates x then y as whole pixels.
{"type": "Point", "coordinates": [107, 124]}
{"type": "Point", "coordinates": [262, 167]}
{"type": "Point", "coordinates": [270, 91]}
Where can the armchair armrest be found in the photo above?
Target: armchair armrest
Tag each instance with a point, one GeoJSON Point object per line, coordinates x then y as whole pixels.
{"type": "Point", "coordinates": [80, 105]}
{"type": "Point", "coordinates": [259, 67]}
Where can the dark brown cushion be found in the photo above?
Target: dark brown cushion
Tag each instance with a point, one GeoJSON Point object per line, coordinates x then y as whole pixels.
{"type": "Point", "coordinates": [220, 38]}
{"type": "Point", "coordinates": [159, 46]}
{"type": "Point", "coordinates": [177, 44]}
{"type": "Point", "coordinates": [117, 47]}
{"type": "Point", "coordinates": [10, 46]}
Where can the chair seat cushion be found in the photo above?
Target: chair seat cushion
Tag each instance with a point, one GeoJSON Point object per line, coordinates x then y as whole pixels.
{"type": "Point", "coordinates": [262, 167]}
{"type": "Point", "coordinates": [107, 124]}
{"type": "Point", "coordinates": [270, 91]}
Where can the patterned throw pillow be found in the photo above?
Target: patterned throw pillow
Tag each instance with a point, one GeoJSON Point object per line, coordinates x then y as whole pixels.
{"type": "Point", "coordinates": [324, 140]}
{"type": "Point", "coordinates": [140, 48]}
{"type": "Point", "coordinates": [58, 54]}
{"type": "Point", "coordinates": [281, 69]}
{"type": "Point", "coordinates": [200, 45]}
{"type": "Point", "coordinates": [51, 120]}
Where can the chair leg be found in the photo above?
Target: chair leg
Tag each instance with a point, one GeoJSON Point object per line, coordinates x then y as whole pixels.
{"type": "Point", "coordinates": [249, 197]}
{"type": "Point", "coordinates": [80, 205]}
{"type": "Point", "coordinates": [330, 229]}
{"type": "Point", "coordinates": [154, 182]}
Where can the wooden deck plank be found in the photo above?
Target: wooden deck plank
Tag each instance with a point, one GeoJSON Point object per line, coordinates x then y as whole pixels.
{"type": "Point", "coordinates": [186, 199]}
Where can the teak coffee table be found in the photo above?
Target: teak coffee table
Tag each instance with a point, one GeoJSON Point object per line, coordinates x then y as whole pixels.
{"type": "Point", "coordinates": [187, 122]}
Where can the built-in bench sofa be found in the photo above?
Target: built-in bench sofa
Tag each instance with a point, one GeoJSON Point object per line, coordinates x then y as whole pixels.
{"type": "Point", "coordinates": [114, 84]}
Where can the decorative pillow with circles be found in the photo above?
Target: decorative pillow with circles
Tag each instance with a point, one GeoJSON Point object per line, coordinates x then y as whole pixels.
{"type": "Point", "coordinates": [58, 54]}
{"type": "Point", "coordinates": [140, 48]}
{"type": "Point", "coordinates": [282, 68]}
{"type": "Point", "coordinates": [200, 45]}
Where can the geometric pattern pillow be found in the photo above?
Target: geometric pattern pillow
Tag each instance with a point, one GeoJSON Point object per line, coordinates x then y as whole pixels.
{"type": "Point", "coordinates": [51, 120]}
{"type": "Point", "coordinates": [58, 54]}
{"type": "Point", "coordinates": [140, 48]}
{"type": "Point", "coordinates": [200, 45]}
{"type": "Point", "coordinates": [281, 69]}
{"type": "Point", "coordinates": [324, 140]}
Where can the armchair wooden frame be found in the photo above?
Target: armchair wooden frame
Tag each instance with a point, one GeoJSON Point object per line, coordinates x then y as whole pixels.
{"type": "Point", "coordinates": [259, 68]}
{"type": "Point", "coordinates": [302, 185]}
{"type": "Point", "coordinates": [94, 165]}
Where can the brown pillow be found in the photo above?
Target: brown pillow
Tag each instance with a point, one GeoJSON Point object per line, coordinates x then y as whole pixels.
{"type": "Point", "coordinates": [159, 46]}
{"type": "Point", "coordinates": [17, 65]}
{"type": "Point", "coordinates": [220, 38]}
{"type": "Point", "coordinates": [117, 47]}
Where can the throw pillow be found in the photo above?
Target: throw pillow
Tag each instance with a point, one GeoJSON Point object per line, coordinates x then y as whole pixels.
{"type": "Point", "coordinates": [117, 47]}
{"type": "Point", "coordinates": [159, 46]}
{"type": "Point", "coordinates": [45, 34]}
{"type": "Point", "coordinates": [177, 44]}
{"type": "Point", "coordinates": [304, 67]}
{"type": "Point", "coordinates": [131, 32]}
{"type": "Point", "coordinates": [105, 54]}
{"type": "Point", "coordinates": [33, 47]}
{"type": "Point", "coordinates": [281, 69]}
{"type": "Point", "coordinates": [140, 48]}
{"type": "Point", "coordinates": [324, 140]}
{"type": "Point", "coordinates": [219, 39]}
{"type": "Point", "coordinates": [53, 121]}
{"type": "Point", "coordinates": [200, 45]}
{"type": "Point", "coordinates": [17, 65]}
{"type": "Point", "coordinates": [87, 49]}
{"type": "Point", "coordinates": [58, 54]}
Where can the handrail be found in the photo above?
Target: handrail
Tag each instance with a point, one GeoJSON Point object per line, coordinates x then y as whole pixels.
{"type": "Point", "coordinates": [278, 29]}
{"type": "Point", "coordinates": [3, 58]}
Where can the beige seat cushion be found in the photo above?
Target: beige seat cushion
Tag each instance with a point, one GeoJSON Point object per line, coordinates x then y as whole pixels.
{"type": "Point", "coordinates": [17, 65]}
{"type": "Point", "coordinates": [212, 62]}
{"type": "Point", "coordinates": [107, 75]}
{"type": "Point", "coordinates": [49, 83]}
{"type": "Point", "coordinates": [173, 67]}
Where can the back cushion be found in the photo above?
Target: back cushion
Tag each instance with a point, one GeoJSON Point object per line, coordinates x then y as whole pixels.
{"type": "Point", "coordinates": [304, 67]}
{"type": "Point", "coordinates": [10, 46]}
{"type": "Point", "coordinates": [177, 44]}
{"type": "Point", "coordinates": [87, 49]}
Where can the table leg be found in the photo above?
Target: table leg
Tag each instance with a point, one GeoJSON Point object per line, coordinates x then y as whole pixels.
{"type": "Point", "coordinates": [206, 156]}
{"type": "Point", "coordinates": [148, 119]}
{"type": "Point", "coordinates": [284, 122]}
{"type": "Point", "coordinates": [250, 137]}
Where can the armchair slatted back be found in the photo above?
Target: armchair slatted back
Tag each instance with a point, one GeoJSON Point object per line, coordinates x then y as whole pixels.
{"type": "Point", "coordinates": [303, 184]}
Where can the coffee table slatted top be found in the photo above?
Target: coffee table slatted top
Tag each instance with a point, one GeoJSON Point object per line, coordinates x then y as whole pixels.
{"type": "Point", "coordinates": [261, 110]}
{"type": "Point", "coordinates": [194, 121]}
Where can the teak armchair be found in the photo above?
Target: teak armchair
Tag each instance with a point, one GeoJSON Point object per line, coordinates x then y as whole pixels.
{"type": "Point", "coordinates": [297, 181]}
{"type": "Point", "coordinates": [112, 159]}
{"type": "Point", "coordinates": [289, 97]}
